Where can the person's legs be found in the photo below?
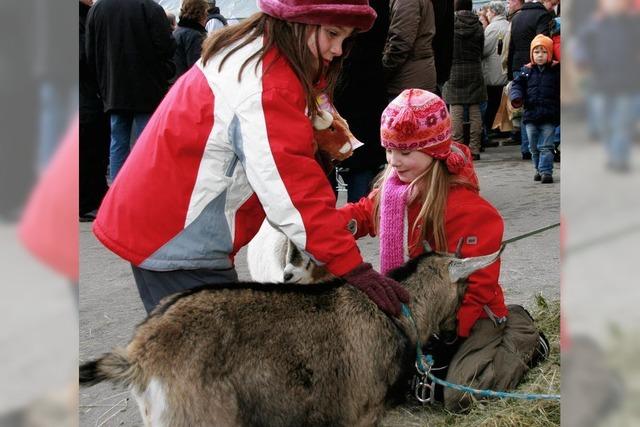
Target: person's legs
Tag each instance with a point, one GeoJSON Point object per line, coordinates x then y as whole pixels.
{"type": "Point", "coordinates": [494, 96]}
{"type": "Point", "coordinates": [524, 139]}
{"type": "Point", "coordinates": [533, 135]}
{"type": "Point", "coordinates": [620, 132]}
{"type": "Point", "coordinates": [546, 148]}
{"type": "Point", "coordinates": [153, 286]}
{"type": "Point", "coordinates": [120, 141]}
{"type": "Point", "coordinates": [475, 119]}
{"type": "Point", "coordinates": [140, 121]}
{"type": "Point", "coordinates": [93, 161]}
{"type": "Point", "coordinates": [457, 120]}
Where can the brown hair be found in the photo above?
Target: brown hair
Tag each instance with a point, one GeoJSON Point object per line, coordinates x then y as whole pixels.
{"type": "Point", "coordinates": [194, 9]}
{"type": "Point", "coordinates": [290, 39]}
{"type": "Point", "coordinates": [432, 189]}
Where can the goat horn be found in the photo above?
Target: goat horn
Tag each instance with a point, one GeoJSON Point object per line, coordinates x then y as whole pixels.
{"type": "Point", "coordinates": [462, 268]}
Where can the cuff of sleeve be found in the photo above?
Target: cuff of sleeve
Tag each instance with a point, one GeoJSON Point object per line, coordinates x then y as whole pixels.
{"type": "Point", "coordinates": [345, 263]}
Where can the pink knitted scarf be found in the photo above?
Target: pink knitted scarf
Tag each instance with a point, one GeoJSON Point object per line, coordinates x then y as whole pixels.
{"type": "Point", "coordinates": [393, 204]}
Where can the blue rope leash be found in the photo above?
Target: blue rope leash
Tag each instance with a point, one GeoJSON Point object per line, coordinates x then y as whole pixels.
{"type": "Point", "coordinates": [421, 360]}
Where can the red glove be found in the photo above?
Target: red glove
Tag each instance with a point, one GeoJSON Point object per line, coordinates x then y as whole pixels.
{"type": "Point", "coordinates": [516, 103]}
{"type": "Point", "coordinates": [385, 292]}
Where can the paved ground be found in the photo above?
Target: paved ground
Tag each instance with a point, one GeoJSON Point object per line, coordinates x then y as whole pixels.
{"type": "Point", "coordinates": [110, 307]}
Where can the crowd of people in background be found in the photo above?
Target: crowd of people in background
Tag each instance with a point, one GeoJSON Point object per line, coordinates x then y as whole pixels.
{"type": "Point", "coordinates": [466, 54]}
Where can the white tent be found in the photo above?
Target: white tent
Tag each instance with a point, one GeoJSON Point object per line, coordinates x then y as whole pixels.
{"type": "Point", "coordinates": [230, 9]}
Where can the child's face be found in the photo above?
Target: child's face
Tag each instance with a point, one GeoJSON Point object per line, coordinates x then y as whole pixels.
{"type": "Point", "coordinates": [540, 55]}
{"type": "Point", "coordinates": [408, 164]}
{"type": "Point", "coordinates": [329, 43]}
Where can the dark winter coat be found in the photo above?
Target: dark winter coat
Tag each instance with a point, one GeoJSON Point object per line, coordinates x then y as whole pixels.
{"type": "Point", "coordinates": [531, 20]}
{"type": "Point", "coordinates": [361, 100]}
{"type": "Point", "coordinates": [466, 83]}
{"type": "Point", "coordinates": [89, 97]}
{"type": "Point", "coordinates": [129, 44]}
{"type": "Point", "coordinates": [408, 58]}
{"type": "Point", "coordinates": [608, 48]}
{"type": "Point", "coordinates": [539, 87]}
{"type": "Point", "coordinates": [189, 37]}
{"type": "Point", "coordinates": [443, 40]}
{"type": "Point", "coordinates": [214, 13]}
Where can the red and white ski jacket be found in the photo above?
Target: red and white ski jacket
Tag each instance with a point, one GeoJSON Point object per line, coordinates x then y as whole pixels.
{"type": "Point", "coordinates": [216, 156]}
{"type": "Point", "coordinates": [468, 217]}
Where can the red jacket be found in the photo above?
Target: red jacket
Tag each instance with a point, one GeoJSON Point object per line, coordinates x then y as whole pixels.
{"type": "Point", "coordinates": [469, 217]}
{"type": "Point", "coordinates": [215, 158]}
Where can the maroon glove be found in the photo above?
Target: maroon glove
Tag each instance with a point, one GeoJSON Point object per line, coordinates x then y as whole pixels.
{"type": "Point", "coordinates": [385, 292]}
{"type": "Point", "coordinates": [516, 103]}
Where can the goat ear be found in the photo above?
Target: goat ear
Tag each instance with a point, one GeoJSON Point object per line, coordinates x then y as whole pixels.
{"type": "Point", "coordinates": [462, 268]}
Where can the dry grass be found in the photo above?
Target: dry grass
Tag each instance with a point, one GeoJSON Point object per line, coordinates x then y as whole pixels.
{"type": "Point", "coordinates": [544, 378]}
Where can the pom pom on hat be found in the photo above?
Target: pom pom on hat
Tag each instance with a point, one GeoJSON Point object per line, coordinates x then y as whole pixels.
{"type": "Point", "coordinates": [351, 13]}
{"type": "Point", "coordinates": [456, 161]}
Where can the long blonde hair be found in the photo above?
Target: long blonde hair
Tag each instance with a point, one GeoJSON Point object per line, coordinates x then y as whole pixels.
{"type": "Point", "coordinates": [290, 39]}
{"type": "Point", "coordinates": [431, 189]}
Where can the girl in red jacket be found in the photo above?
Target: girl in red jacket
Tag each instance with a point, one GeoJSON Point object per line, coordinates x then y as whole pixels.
{"type": "Point", "coordinates": [231, 143]}
{"type": "Point", "coordinates": [429, 192]}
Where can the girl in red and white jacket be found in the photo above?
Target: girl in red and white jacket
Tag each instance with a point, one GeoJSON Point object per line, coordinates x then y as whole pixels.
{"type": "Point", "coordinates": [429, 192]}
{"type": "Point", "coordinates": [231, 143]}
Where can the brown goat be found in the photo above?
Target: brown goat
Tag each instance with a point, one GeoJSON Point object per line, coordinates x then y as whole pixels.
{"type": "Point", "coordinates": [249, 354]}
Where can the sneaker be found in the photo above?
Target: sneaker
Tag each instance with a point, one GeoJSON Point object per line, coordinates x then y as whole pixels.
{"type": "Point", "coordinates": [88, 216]}
{"type": "Point", "coordinates": [526, 156]}
{"type": "Point", "coordinates": [547, 179]}
{"type": "Point", "coordinates": [537, 177]}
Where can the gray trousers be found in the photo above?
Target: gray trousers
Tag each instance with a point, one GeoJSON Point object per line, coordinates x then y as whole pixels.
{"type": "Point", "coordinates": [457, 125]}
{"type": "Point", "coordinates": [155, 285]}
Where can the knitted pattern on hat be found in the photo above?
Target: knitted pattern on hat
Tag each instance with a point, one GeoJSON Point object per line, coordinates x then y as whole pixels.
{"type": "Point", "coordinates": [393, 204]}
{"type": "Point", "coordinates": [419, 120]}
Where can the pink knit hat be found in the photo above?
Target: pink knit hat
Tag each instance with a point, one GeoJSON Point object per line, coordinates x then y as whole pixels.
{"type": "Point", "coordinates": [419, 120]}
{"type": "Point", "coordinates": [353, 13]}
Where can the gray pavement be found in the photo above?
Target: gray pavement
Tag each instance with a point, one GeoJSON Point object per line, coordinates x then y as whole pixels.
{"type": "Point", "coordinates": [110, 307]}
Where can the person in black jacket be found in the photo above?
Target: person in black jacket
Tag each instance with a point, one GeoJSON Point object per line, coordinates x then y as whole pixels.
{"type": "Point", "coordinates": [361, 102]}
{"type": "Point", "coordinates": [190, 34]}
{"type": "Point", "coordinates": [130, 47]}
{"type": "Point", "coordinates": [215, 20]}
{"type": "Point", "coordinates": [93, 133]}
{"type": "Point", "coordinates": [538, 88]}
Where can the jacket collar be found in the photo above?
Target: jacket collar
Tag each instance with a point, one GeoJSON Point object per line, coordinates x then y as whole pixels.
{"type": "Point", "coordinates": [190, 23]}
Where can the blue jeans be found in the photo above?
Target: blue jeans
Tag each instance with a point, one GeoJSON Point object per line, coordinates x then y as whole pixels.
{"type": "Point", "coordinates": [541, 146]}
{"type": "Point", "coordinates": [524, 138]}
{"type": "Point", "coordinates": [126, 127]}
{"type": "Point", "coordinates": [618, 119]}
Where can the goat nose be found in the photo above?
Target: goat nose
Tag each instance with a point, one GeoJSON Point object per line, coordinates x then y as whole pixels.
{"type": "Point", "coordinates": [288, 276]}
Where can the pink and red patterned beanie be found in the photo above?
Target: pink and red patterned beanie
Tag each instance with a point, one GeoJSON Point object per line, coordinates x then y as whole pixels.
{"type": "Point", "coordinates": [351, 13]}
{"type": "Point", "coordinates": [419, 120]}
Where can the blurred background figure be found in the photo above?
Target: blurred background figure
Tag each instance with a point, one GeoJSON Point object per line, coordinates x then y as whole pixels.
{"type": "Point", "coordinates": [495, 50]}
{"type": "Point", "coordinates": [530, 19]}
{"type": "Point", "coordinates": [215, 20]}
{"type": "Point", "coordinates": [465, 89]}
{"type": "Point", "coordinates": [58, 87]}
{"type": "Point", "coordinates": [607, 47]}
{"type": "Point", "coordinates": [442, 42]}
{"type": "Point", "coordinates": [190, 34]}
{"type": "Point", "coordinates": [94, 131]}
{"type": "Point", "coordinates": [482, 16]}
{"type": "Point", "coordinates": [172, 20]}
{"type": "Point", "coordinates": [361, 102]}
{"type": "Point", "coordinates": [130, 47]}
{"type": "Point", "coordinates": [408, 57]}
